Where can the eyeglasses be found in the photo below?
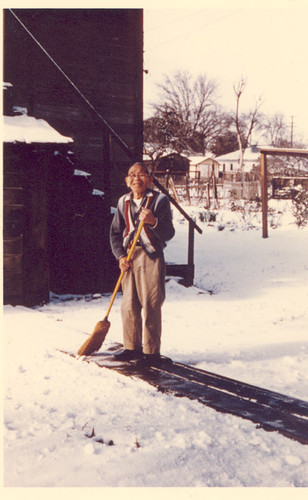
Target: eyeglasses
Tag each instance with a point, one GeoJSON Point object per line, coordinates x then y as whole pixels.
{"type": "Point", "coordinates": [134, 176]}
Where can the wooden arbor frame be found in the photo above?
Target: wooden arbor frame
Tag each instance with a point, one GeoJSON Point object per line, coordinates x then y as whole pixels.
{"type": "Point", "coordinates": [264, 195]}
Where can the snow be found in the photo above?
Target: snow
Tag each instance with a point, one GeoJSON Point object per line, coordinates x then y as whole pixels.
{"type": "Point", "coordinates": [24, 128]}
{"type": "Point", "coordinates": [68, 423]}
{"type": "Point", "coordinates": [81, 173]}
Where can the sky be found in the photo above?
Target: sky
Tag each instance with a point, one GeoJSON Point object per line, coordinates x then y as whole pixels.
{"type": "Point", "coordinates": [267, 45]}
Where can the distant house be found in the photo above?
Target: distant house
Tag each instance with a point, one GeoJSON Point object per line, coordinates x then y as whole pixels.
{"type": "Point", "coordinates": [203, 167]}
{"type": "Point", "coordinates": [229, 163]}
{"type": "Point", "coordinates": [173, 163]}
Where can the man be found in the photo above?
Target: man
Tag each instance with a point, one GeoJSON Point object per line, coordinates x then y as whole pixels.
{"type": "Point", "coordinates": [143, 283]}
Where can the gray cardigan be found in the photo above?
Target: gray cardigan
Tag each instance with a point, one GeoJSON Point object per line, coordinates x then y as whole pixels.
{"type": "Point", "coordinates": [126, 221]}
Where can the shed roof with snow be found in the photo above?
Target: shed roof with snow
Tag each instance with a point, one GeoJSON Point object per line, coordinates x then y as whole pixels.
{"type": "Point", "coordinates": [197, 159]}
{"type": "Point", "coordinates": [27, 129]}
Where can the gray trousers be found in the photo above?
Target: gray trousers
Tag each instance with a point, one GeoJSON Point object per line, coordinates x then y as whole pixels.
{"type": "Point", "coordinates": [143, 289]}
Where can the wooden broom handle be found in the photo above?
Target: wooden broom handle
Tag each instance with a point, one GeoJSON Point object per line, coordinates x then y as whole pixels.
{"type": "Point", "coordinates": [129, 255]}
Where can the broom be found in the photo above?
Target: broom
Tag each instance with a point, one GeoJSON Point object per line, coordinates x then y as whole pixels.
{"type": "Point", "coordinates": [96, 339]}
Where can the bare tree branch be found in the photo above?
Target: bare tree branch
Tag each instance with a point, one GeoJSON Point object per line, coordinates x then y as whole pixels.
{"type": "Point", "coordinates": [189, 110]}
{"type": "Point", "coordinates": [244, 124]}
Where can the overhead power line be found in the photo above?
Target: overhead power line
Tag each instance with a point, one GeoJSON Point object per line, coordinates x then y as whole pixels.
{"type": "Point", "coordinates": [109, 128]}
{"type": "Point", "coordinates": [174, 21]}
{"type": "Point", "coordinates": [194, 30]}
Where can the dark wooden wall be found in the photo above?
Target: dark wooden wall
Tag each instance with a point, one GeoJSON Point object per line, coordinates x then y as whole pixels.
{"type": "Point", "coordinates": [25, 231]}
{"type": "Point", "coordinates": [55, 231]}
{"type": "Point", "coordinates": [101, 51]}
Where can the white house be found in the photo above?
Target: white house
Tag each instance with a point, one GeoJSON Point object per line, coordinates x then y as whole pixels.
{"type": "Point", "coordinates": [229, 163]}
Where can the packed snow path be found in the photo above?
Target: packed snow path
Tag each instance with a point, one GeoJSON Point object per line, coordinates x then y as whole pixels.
{"type": "Point", "coordinates": [270, 410]}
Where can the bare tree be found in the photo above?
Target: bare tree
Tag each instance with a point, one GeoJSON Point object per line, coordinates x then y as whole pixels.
{"type": "Point", "coordinates": [275, 131]}
{"type": "Point", "coordinates": [244, 123]}
{"type": "Point", "coordinates": [188, 111]}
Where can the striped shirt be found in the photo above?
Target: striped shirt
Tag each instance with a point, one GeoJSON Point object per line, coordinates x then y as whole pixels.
{"type": "Point", "coordinates": [126, 220]}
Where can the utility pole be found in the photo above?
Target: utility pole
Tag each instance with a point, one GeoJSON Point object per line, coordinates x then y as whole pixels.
{"type": "Point", "coordinates": [292, 131]}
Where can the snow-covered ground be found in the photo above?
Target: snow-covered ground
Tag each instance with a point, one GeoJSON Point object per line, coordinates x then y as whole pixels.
{"type": "Point", "coordinates": [71, 424]}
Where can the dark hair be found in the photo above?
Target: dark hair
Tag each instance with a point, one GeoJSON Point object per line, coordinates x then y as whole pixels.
{"type": "Point", "coordinates": [145, 167]}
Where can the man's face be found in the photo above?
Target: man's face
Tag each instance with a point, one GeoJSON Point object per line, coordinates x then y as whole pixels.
{"type": "Point", "coordinates": [138, 180]}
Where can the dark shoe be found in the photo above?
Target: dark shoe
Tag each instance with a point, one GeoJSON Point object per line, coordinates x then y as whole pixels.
{"type": "Point", "coordinates": [151, 359]}
{"type": "Point", "coordinates": [128, 355]}
{"type": "Point", "coordinates": [155, 360]}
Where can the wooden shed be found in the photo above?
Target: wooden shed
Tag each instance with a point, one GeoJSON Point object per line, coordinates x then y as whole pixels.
{"type": "Point", "coordinates": [28, 149]}
{"type": "Point", "coordinates": [203, 167]}
{"type": "Point", "coordinates": [56, 226]}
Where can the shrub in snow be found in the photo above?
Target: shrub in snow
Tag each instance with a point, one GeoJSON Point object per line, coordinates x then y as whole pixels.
{"type": "Point", "coordinates": [248, 212]}
{"type": "Point", "coordinates": [207, 216]}
{"type": "Point", "coordinates": [300, 205]}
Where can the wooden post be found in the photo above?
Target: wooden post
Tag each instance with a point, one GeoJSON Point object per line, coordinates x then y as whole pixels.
{"type": "Point", "coordinates": [167, 179]}
{"type": "Point", "coordinates": [264, 194]}
{"type": "Point", "coordinates": [215, 191]}
{"type": "Point", "coordinates": [172, 185]}
{"type": "Point", "coordinates": [187, 188]}
{"type": "Point", "coordinates": [190, 265]}
{"type": "Point", "coordinates": [208, 195]}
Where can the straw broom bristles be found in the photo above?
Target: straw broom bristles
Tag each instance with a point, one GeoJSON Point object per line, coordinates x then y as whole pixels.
{"type": "Point", "coordinates": [96, 339]}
